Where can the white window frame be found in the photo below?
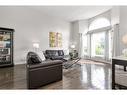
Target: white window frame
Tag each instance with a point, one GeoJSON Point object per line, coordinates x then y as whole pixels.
{"type": "Point", "coordinates": [106, 55]}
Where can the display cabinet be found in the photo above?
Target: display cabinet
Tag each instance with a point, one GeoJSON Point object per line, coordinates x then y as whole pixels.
{"type": "Point", "coordinates": [6, 47]}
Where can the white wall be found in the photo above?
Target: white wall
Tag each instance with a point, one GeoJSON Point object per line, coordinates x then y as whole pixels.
{"type": "Point", "coordinates": [115, 13]}
{"type": "Point", "coordinates": [83, 26]}
{"type": "Point", "coordinates": [83, 29]}
{"type": "Point", "coordinates": [32, 26]}
{"type": "Point", "coordinates": [123, 26]}
{"type": "Point", "coordinates": [119, 16]}
{"type": "Point", "coordinates": [74, 37]}
{"type": "Point", "coordinates": [78, 28]}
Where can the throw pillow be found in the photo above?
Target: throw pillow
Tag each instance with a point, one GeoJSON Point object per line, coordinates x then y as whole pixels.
{"type": "Point", "coordinates": [35, 59]}
{"type": "Point", "coordinates": [41, 55]}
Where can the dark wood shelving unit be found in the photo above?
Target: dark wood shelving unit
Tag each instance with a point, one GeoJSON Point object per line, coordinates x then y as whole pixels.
{"type": "Point", "coordinates": [6, 47]}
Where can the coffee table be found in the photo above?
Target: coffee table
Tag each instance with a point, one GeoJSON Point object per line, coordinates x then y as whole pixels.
{"type": "Point", "coordinates": [70, 63]}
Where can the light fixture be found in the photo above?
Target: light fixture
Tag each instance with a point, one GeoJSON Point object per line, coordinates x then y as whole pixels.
{"type": "Point", "coordinates": [36, 45]}
{"type": "Point", "coordinates": [72, 46]}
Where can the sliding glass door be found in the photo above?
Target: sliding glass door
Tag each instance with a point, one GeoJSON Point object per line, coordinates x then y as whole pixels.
{"type": "Point", "coordinates": [101, 48]}
{"type": "Point", "coordinates": [98, 45]}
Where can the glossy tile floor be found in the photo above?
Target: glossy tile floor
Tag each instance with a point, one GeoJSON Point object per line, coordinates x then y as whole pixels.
{"type": "Point", "coordinates": [84, 76]}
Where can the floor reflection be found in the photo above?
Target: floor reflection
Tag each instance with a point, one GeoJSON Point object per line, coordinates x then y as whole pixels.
{"type": "Point", "coordinates": [13, 77]}
{"type": "Point", "coordinates": [86, 76]}
{"type": "Point", "coordinates": [96, 76]}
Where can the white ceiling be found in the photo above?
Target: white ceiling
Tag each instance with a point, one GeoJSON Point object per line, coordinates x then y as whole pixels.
{"type": "Point", "coordinates": [72, 13]}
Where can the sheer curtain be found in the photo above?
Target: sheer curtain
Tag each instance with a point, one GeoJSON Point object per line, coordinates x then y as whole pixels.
{"type": "Point", "coordinates": [116, 43]}
{"type": "Point", "coordinates": [81, 52]}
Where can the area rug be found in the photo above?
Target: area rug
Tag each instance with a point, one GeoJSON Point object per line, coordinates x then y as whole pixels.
{"type": "Point", "coordinates": [84, 61]}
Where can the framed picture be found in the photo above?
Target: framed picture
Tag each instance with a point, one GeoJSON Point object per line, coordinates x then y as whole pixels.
{"type": "Point", "coordinates": [55, 39]}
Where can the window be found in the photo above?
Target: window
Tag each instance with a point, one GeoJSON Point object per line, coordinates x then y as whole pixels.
{"type": "Point", "coordinates": [99, 23]}
{"type": "Point", "coordinates": [98, 44]}
{"type": "Point", "coordinates": [100, 39]}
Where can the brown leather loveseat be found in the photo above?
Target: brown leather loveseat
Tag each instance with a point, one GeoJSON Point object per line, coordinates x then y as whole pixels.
{"type": "Point", "coordinates": [40, 73]}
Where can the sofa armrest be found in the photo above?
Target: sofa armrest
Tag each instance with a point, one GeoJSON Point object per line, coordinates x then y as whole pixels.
{"type": "Point", "coordinates": [46, 63]}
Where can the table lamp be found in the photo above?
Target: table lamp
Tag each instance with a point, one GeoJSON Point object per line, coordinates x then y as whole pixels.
{"type": "Point", "coordinates": [36, 46]}
{"type": "Point", "coordinates": [71, 53]}
{"type": "Point", "coordinates": [72, 46]}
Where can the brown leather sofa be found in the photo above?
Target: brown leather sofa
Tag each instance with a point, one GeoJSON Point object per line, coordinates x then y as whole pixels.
{"type": "Point", "coordinates": [40, 73]}
{"type": "Point", "coordinates": [54, 54]}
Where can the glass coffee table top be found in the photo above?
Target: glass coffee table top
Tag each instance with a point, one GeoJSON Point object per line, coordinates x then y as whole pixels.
{"type": "Point", "coordinates": [70, 63]}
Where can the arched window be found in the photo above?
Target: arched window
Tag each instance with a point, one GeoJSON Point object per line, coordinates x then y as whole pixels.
{"type": "Point", "coordinates": [99, 39]}
{"type": "Point", "coordinates": [99, 23]}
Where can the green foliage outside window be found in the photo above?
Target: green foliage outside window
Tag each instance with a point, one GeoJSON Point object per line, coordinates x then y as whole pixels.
{"type": "Point", "coordinates": [99, 49]}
